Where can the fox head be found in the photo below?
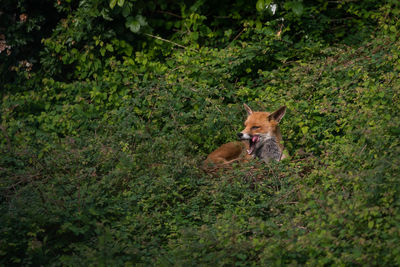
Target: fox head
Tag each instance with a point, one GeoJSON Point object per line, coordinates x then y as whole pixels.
{"type": "Point", "coordinates": [260, 126]}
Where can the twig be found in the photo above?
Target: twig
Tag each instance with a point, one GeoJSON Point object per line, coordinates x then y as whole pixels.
{"type": "Point", "coordinates": [286, 195]}
{"type": "Point", "coordinates": [237, 36]}
{"type": "Point", "coordinates": [363, 149]}
{"type": "Point", "coordinates": [165, 40]}
{"type": "Point", "coordinates": [278, 34]}
{"type": "Point", "coordinates": [341, 19]}
{"type": "Point", "coordinates": [169, 13]}
{"type": "Point", "coordinates": [3, 129]}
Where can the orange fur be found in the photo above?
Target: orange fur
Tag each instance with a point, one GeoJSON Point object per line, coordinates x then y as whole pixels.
{"type": "Point", "coordinates": [256, 124]}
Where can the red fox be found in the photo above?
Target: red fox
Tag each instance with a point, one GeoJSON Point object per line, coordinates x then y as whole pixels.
{"type": "Point", "coordinates": [261, 138]}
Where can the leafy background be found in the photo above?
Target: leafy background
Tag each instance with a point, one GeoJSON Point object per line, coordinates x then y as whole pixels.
{"type": "Point", "coordinates": [109, 107]}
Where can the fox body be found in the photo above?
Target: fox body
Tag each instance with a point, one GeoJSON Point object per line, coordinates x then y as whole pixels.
{"type": "Point", "coordinates": [267, 148]}
{"type": "Point", "coordinates": [261, 138]}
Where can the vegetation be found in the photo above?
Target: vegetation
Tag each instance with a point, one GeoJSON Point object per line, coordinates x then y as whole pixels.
{"type": "Point", "coordinates": [109, 107]}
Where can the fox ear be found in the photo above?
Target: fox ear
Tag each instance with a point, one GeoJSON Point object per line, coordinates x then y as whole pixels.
{"type": "Point", "coordinates": [278, 114]}
{"type": "Point", "coordinates": [248, 109]}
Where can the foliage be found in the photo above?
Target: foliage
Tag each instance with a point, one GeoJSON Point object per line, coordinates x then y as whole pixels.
{"type": "Point", "coordinates": [102, 141]}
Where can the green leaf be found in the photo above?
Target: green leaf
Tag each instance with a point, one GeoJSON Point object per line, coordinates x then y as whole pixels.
{"type": "Point", "coordinates": [126, 11]}
{"type": "Point", "coordinates": [142, 21]}
{"type": "Point", "coordinates": [304, 129]}
{"type": "Point", "coordinates": [260, 6]}
{"type": "Point", "coordinates": [109, 47]}
{"type": "Point", "coordinates": [132, 24]}
{"type": "Point", "coordinates": [121, 2]}
{"type": "Point", "coordinates": [370, 224]}
{"type": "Point", "coordinates": [241, 256]}
{"type": "Point", "coordinates": [395, 131]}
{"type": "Point", "coordinates": [113, 3]}
{"type": "Point", "coordinates": [297, 8]}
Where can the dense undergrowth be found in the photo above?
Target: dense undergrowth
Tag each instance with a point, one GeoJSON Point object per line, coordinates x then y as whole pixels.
{"type": "Point", "coordinates": [101, 147]}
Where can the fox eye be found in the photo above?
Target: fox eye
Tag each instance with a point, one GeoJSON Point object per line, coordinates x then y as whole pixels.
{"type": "Point", "coordinates": [255, 127]}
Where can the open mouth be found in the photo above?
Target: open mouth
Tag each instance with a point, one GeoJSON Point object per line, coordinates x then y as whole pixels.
{"type": "Point", "coordinates": [252, 144]}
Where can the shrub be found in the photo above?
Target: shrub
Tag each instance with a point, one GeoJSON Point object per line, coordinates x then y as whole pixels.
{"type": "Point", "coordinates": [101, 149]}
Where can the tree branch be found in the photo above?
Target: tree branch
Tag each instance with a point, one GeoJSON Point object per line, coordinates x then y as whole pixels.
{"type": "Point", "coordinates": [165, 40]}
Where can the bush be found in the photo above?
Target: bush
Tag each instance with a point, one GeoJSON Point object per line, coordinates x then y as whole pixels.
{"type": "Point", "coordinates": [102, 147]}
